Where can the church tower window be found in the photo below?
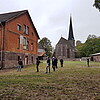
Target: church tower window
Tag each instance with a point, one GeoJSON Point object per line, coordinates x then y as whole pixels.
{"type": "Point", "coordinates": [68, 53]}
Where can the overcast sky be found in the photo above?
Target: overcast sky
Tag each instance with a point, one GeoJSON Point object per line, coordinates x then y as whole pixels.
{"type": "Point", "coordinates": [51, 17]}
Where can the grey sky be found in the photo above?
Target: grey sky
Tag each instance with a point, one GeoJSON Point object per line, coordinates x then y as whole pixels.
{"type": "Point", "coordinates": [51, 17]}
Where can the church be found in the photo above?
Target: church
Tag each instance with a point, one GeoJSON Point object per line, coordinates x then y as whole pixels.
{"type": "Point", "coordinates": [66, 48]}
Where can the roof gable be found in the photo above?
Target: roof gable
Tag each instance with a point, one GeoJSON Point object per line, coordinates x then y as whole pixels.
{"type": "Point", "coordinates": [10, 16]}
{"type": "Point", "coordinates": [96, 54]}
{"type": "Point", "coordinates": [62, 41]}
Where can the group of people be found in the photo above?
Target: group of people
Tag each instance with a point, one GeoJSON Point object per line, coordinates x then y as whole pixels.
{"type": "Point", "coordinates": [48, 61]}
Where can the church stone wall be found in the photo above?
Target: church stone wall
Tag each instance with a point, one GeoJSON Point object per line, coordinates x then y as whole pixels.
{"type": "Point", "coordinates": [65, 51]}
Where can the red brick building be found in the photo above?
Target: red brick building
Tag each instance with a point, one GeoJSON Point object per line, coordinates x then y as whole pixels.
{"type": "Point", "coordinates": [18, 39]}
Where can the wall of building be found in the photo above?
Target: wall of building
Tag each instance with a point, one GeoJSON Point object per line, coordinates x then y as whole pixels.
{"type": "Point", "coordinates": [12, 35]}
{"type": "Point", "coordinates": [12, 50]}
{"type": "Point", "coordinates": [10, 59]}
{"type": "Point", "coordinates": [65, 51]}
{"type": "Point", "coordinates": [95, 58]}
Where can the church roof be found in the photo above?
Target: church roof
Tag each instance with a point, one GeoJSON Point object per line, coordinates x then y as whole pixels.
{"type": "Point", "coordinates": [62, 41]}
{"type": "Point", "coordinates": [71, 36]}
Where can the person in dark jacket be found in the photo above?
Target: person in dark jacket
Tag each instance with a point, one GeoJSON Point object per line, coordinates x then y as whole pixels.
{"type": "Point", "coordinates": [88, 62]}
{"type": "Point", "coordinates": [37, 64]}
{"type": "Point", "coordinates": [61, 62]}
{"type": "Point", "coordinates": [20, 65]}
{"type": "Point", "coordinates": [56, 62]}
{"type": "Point", "coordinates": [48, 65]}
{"type": "Point", "coordinates": [53, 63]}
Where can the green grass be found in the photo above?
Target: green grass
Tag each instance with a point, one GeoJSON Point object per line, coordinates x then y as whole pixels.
{"type": "Point", "coordinates": [74, 81]}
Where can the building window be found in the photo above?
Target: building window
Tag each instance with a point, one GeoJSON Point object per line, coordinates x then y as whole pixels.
{"type": "Point", "coordinates": [32, 59]}
{"type": "Point", "coordinates": [19, 27]}
{"type": "Point", "coordinates": [19, 58]}
{"type": "Point", "coordinates": [27, 46]}
{"type": "Point", "coordinates": [26, 60]}
{"type": "Point", "coordinates": [26, 29]}
{"type": "Point", "coordinates": [32, 47]}
{"type": "Point", "coordinates": [59, 50]}
{"type": "Point", "coordinates": [32, 33]}
{"type": "Point", "coordinates": [18, 47]}
{"type": "Point", "coordinates": [68, 53]}
{"type": "Point", "coordinates": [25, 43]}
{"type": "Point", "coordinates": [64, 52]}
{"type": "Point", "coordinates": [21, 39]}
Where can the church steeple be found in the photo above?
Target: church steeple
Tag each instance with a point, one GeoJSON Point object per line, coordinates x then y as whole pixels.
{"type": "Point", "coordinates": [71, 36]}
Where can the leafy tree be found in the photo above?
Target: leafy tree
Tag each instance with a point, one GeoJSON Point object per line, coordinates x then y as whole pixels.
{"type": "Point", "coordinates": [81, 50]}
{"type": "Point", "coordinates": [97, 4]}
{"type": "Point", "coordinates": [45, 44]}
{"type": "Point", "coordinates": [92, 45]}
{"type": "Point", "coordinates": [91, 37]}
{"type": "Point", "coordinates": [78, 42]}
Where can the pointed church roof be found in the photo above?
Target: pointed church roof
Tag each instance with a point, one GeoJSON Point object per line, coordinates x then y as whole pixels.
{"type": "Point", "coordinates": [71, 36]}
{"type": "Point", "coordinates": [62, 41]}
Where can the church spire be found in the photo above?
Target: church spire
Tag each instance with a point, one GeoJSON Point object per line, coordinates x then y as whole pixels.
{"type": "Point", "coordinates": [71, 36]}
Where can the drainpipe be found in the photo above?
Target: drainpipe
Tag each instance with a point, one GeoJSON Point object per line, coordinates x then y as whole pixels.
{"type": "Point", "coordinates": [2, 44]}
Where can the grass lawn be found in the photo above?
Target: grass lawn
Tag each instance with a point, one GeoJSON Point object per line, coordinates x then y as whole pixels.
{"type": "Point", "coordinates": [74, 81]}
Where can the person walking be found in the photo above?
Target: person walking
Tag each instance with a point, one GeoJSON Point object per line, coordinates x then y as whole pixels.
{"type": "Point", "coordinates": [48, 65]}
{"type": "Point", "coordinates": [56, 62]}
{"type": "Point", "coordinates": [88, 62]}
{"type": "Point", "coordinates": [37, 64]}
{"type": "Point", "coordinates": [53, 63]}
{"type": "Point", "coordinates": [61, 62]}
{"type": "Point", "coordinates": [20, 65]}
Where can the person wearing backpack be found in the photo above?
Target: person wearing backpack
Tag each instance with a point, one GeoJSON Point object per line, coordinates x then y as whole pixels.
{"type": "Point", "coordinates": [20, 65]}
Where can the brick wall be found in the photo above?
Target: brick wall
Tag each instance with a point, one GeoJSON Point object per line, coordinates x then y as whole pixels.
{"type": "Point", "coordinates": [11, 41]}
{"type": "Point", "coordinates": [10, 59]}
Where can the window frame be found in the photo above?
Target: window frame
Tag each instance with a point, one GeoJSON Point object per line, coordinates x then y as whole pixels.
{"type": "Point", "coordinates": [18, 43]}
{"type": "Point", "coordinates": [19, 27]}
{"type": "Point", "coordinates": [26, 29]}
{"type": "Point", "coordinates": [32, 46]}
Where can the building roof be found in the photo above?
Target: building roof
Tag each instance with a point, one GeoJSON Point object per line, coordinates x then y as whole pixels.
{"type": "Point", "coordinates": [62, 41]}
{"type": "Point", "coordinates": [41, 53]}
{"type": "Point", "coordinates": [5, 17]}
{"type": "Point", "coordinates": [41, 50]}
{"type": "Point", "coordinates": [71, 36]}
{"type": "Point", "coordinates": [96, 54]}
{"type": "Point", "coordinates": [8, 16]}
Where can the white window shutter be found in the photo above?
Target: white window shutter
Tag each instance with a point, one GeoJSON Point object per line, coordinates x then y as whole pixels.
{"type": "Point", "coordinates": [21, 39]}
